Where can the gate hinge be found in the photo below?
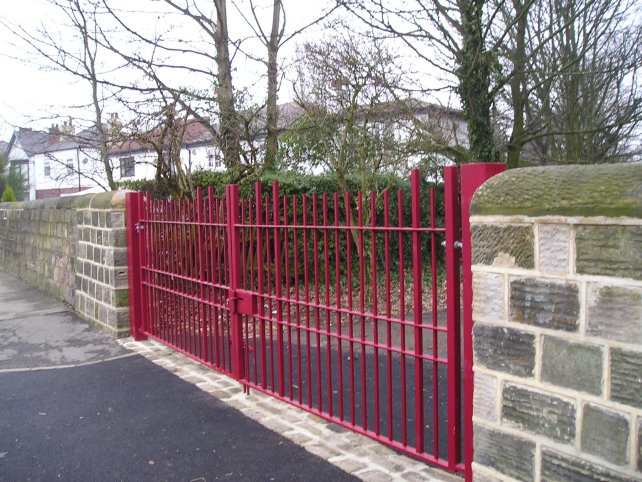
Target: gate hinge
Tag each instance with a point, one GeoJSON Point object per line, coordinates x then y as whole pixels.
{"type": "Point", "coordinates": [456, 244]}
{"type": "Point", "coordinates": [138, 227]}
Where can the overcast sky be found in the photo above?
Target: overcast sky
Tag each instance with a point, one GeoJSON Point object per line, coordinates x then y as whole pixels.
{"type": "Point", "coordinates": [33, 97]}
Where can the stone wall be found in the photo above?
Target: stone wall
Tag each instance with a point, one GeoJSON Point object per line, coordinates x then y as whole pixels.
{"type": "Point", "coordinates": [557, 280]}
{"type": "Point", "coordinates": [74, 248]}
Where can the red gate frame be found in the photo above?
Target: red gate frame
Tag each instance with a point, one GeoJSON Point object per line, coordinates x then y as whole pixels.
{"type": "Point", "coordinates": [457, 203]}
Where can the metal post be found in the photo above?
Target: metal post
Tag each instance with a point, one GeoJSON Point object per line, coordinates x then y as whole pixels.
{"type": "Point", "coordinates": [132, 220]}
{"type": "Point", "coordinates": [417, 314]}
{"type": "Point", "coordinates": [452, 213]}
{"type": "Point", "coordinates": [472, 177]}
{"type": "Point", "coordinates": [234, 260]}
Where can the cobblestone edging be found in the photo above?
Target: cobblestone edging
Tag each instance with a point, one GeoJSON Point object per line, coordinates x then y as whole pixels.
{"type": "Point", "coordinates": [353, 453]}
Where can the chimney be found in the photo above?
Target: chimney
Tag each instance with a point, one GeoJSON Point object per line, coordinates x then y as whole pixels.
{"type": "Point", "coordinates": [67, 129]}
{"type": "Point", "coordinates": [54, 134]}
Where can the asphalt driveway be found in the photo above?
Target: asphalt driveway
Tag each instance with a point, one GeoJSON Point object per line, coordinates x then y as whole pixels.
{"type": "Point", "coordinates": [75, 405]}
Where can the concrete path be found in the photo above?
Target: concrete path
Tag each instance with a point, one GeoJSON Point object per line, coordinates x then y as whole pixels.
{"type": "Point", "coordinates": [37, 331]}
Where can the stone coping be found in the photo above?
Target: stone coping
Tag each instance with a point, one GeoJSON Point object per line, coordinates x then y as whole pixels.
{"type": "Point", "coordinates": [613, 190]}
{"type": "Point", "coordinates": [103, 200]}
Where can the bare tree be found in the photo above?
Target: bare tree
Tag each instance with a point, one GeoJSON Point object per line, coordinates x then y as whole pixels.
{"type": "Point", "coordinates": [505, 54]}
{"type": "Point", "coordinates": [76, 52]}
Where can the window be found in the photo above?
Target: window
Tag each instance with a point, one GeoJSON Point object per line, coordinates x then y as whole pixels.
{"type": "Point", "coordinates": [70, 166]}
{"type": "Point", "coordinates": [127, 167]}
{"type": "Point", "coordinates": [47, 168]}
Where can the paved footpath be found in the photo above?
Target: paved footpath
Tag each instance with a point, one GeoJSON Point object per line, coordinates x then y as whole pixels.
{"type": "Point", "coordinates": [76, 405]}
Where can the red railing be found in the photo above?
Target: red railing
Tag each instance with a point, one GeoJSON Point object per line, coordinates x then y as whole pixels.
{"type": "Point", "coordinates": [337, 304]}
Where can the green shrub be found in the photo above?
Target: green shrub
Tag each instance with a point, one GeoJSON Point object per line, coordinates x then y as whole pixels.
{"type": "Point", "coordinates": [8, 196]}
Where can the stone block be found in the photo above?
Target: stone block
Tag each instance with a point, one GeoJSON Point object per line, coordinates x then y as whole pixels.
{"type": "Point", "coordinates": [572, 365]}
{"type": "Point", "coordinates": [511, 245]}
{"type": "Point", "coordinates": [539, 413]}
{"type": "Point", "coordinates": [554, 247]}
{"type": "Point", "coordinates": [120, 298]}
{"type": "Point", "coordinates": [504, 349]}
{"type": "Point", "coordinates": [605, 433]}
{"type": "Point", "coordinates": [609, 250]}
{"type": "Point", "coordinates": [547, 304]}
{"type": "Point", "coordinates": [116, 219]}
{"type": "Point", "coordinates": [489, 296]}
{"type": "Point", "coordinates": [615, 313]}
{"type": "Point", "coordinates": [626, 377]}
{"type": "Point", "coordinates": [510, 455]}
{"type": "Point", "coordinates": [485, 397]}
{"type": "Point", "coordinates": [557, 467]}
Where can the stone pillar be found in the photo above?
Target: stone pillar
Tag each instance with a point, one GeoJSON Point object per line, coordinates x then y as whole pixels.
{"type": "Point", "coordinates": [557, 270]}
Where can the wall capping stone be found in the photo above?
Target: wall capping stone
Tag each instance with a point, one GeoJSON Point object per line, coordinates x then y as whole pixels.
{"type": "Point", "coordinates": [613, 190]}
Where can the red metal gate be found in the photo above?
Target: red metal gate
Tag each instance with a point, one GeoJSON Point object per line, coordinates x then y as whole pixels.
{"type": "Point", "coordinates": [340, 305]}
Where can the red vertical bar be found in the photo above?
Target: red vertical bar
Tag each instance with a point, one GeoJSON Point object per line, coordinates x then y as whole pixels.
{"type": "Point", "coordinates": [234, 260]}
{"type": "Point", "coordinates": [201, 273]}
{"type": "Point", "coordinates": [375, 311]}
{"type": "Point", "coordinates": [435, 322]}
{"type": "Point", "coordinates": [258, 199]}
{"type": "Point", "coordinates": [337, 286]}
{"type": "Point", "coordinates": [362, 309]}
{"type": "Point", "coordinates": [317, 312]}
{"type": "Point", "coordinates": [402, 317]}
{"type": "Point", "coordinates": [386, 253]}
{"type": "Point", "coordinates": [327, 302]}
{"type": "Point", "coordinates": [472, 176]}
{"type": "Point", "coordinates": [418, 342]}
{"type": "Point", "coordinates": [306, 290]}
{"type": "Point", "coordinates": [132, 219]}
{"type": "Point", "coordinates": [297, 297]}
{"type": "Point", "coordinates": [278, 285]}
{"type": "Point", "coordinates": [451, 198]}
{"type": "Point", "coordinates": [287, 291]}
{"type": "Point", "coordinates": [348, 208]}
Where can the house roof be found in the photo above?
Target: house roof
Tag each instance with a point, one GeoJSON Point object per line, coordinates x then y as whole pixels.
{"type": "Point", "coordinates": [4, 148]}
{"type": "Point", "coordinates": [30, 141]}
{"type": "Point", "coordinates": [195, 133]}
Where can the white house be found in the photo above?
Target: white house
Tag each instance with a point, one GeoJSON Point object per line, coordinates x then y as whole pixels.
{"type": "Point", "coordinates": [61, 162]}
{"type": "Point", "coordinates": [56, 162]}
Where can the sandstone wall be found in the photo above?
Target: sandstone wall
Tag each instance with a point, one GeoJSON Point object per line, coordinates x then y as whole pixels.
{"type": "Point", "coordinates": [74, 248]}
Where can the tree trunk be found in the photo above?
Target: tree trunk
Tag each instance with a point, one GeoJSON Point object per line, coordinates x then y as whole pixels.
{"type": "Point", "coordinates": [517, 87]}
{"type": "Point", "coordinates": [272, 127]}
{"type": "Point", "coordinates": [474, 85]}
{"type": "Point", "coordinates": [228, 117]}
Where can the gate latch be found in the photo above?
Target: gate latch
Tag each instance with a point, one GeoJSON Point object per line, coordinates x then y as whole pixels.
{"type": "Point", "coordinates": [138, 227]}
{"type": "Point", "coordinates": [244, 302]}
